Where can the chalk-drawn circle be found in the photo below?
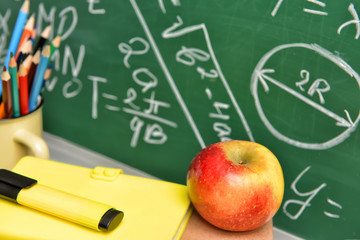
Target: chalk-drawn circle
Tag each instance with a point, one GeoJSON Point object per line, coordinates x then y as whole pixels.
{"type": "Point", "coordinates": [324, 53]}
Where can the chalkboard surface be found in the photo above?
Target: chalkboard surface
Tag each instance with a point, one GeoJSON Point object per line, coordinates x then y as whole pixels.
{"type": "Point", "coordinates": [150, 83]}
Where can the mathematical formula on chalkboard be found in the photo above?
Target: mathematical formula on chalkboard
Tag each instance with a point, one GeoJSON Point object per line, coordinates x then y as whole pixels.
{"type": "Point", "coordinates": [140, 81]}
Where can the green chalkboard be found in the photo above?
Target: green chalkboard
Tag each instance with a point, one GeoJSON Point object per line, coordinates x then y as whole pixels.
{"type": "Point", "coordinates": [150, 83]}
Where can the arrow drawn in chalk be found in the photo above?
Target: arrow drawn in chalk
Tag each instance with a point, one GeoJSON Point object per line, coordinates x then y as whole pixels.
{"type": "Point", "coordinates": [340, 121]}
{"type": "Point", "coordinates": [260, 75]}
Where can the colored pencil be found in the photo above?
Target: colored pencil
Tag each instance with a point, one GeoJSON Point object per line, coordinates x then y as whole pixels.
{"type": "Point", "coordinates": [33, 34]}
{"type": "Point", "coordinates": [27, 63]}
{"type": "Point", "coordinates": [26, 34]}
{"type": "Point", "coordinates": [34, 63]}
{"type": "Point", "coordinates": [47, 74]}
{"type": "Point", "coordinates": [23, 90]}
{"type": "Point", "coordinates": [7, 98]}
{"type": "Point", "coordinates": [55, 44]}
{"type": "Point", "coordinates": [18, 29]}
{"type": "Point", "coordinates": [39, 78]}
{"type": "Point", "coordinates": [43, 38]}
{"type": "Point", "coordinates": [2, 110]}
{"type": "Point", "coordinates": [24, 52]}
{"type": "Point", "coordinates": [14, 86]}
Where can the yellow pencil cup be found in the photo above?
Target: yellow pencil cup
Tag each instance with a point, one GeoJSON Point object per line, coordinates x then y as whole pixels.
{"type": "Point", "coordinates": [20, 137]}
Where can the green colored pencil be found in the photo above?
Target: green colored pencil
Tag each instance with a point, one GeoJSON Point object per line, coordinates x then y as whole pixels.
{"type": "Point", "coordinates": [14, 86]}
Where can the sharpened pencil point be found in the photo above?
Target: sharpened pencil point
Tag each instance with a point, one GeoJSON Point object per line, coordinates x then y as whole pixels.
{"type": "Point", "coordinates": [22, 70]}
{"type": "Point", "coordinates": [46, 51]}
{"type": "Point", "coordinates": [56, 41]}
{"type": "Point", "coordinates": [25, 7]}
{"type": "Point", "coordinates": [46, 32]}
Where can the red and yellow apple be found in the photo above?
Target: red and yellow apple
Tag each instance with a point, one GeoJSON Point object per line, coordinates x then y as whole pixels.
{"type": "Point", "coordinates": [236, 185]}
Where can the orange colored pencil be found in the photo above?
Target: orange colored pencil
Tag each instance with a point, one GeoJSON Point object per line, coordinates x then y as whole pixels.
{"type": "Point", "coordinates": [2, 110]}
{"type": "Point", "coordinates": [29, 26]}
{"type": "Point", "coordinates": [7, 97]}
{"type": "Point", "coordinates": [23, 90]}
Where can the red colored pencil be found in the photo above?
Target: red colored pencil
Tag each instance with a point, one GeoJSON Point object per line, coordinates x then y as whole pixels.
{"type": "Point", "coordinates": [23, 90]}
{"type": "Point", "coordinates": [27, 63]}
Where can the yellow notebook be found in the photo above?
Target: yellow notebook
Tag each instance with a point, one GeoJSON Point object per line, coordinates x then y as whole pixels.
{"type": "Point", "coordinates": [153, 209]}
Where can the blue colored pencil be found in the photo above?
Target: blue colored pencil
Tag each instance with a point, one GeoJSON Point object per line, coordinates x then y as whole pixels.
{"type": "Point", "coordinates": [39, 78]}
{"type": "Point", "coordinates": [17, 33]}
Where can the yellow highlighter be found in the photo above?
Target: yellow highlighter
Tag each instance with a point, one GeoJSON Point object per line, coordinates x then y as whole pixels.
{"type": "Point", "coordinates": [28, 192]}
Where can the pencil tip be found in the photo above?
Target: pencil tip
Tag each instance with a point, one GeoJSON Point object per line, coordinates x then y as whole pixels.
{"type": "Point", "coordinates": [56, 41]}
{"type": "Point", "coordinates": [46, 51]}
{"type": "Point", "coordinates": [4, 69]}
{"type": "Point", "coordinates": [25, 6]}
{"type": "Point", "coordinates": [46, 32]}
{"type": "Point", "coordinates": [22, 70]}
{"type": "Point", "coordinates": [11, 54]}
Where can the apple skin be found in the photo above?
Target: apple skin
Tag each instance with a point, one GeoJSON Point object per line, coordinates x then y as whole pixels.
{"type": "Point", "coordinates": [236, 185]}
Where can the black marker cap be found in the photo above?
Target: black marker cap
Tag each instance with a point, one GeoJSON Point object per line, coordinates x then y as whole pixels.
{"type": "Point", "coordinates": [12, 183]}
{"type": "Point", "coordinates": [110, 220]}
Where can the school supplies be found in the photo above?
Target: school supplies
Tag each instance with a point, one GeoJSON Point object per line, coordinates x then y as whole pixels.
{"type": "Point", "coordinates": [55, 44]}
{"type": "Point", "coordinates": [24, 52]}
{"type": "Point", "coordinates": [28, 192]}
{"type": "Point", "coordinates": [153, 209]}
{"type": "Point", "coordinates": [7, 98]}
{"type": "Point", "coordinates": [24, 89]}
{"type": "Point", "coordinates": [26, 33]}
{"type": "Point", "coordinates": [47, 74]}
{"type": "Point", "coordinates": [39, 78]}
{"type": "Point", "coordinates": [27, 63]}
{"type": "Point", "coordinates": [14, 86]}
{"type": "Point", "coordinates": [43, 38]}
{"type": "Point", "coordinates": [32, 70]}
{"type": "Point", "coordinates": [18, 30]}
{"type": "Point", "coordinates": [2, 111]}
